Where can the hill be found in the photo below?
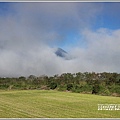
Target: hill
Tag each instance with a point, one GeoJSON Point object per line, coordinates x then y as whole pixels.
{"type": "Point", "coordinates": [63, 54]}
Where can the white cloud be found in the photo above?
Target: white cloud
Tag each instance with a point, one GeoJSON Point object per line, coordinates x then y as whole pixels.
{"type": "Point", "coordinates": [102, 52]}
{"type": "Point", "coordinates": [27, 35]}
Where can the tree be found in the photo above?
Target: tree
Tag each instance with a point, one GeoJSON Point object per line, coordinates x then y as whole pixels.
{"type": "Point", "coordinates": [32, 77]}
{"type": "Point", "coordinates": [22, 78]}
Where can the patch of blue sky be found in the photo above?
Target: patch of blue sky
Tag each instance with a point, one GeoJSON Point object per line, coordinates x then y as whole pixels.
{"type": "Point", "coordinates": [6, 8]}
{"type": "Point", "coordinates": [111, 23]}
{"type": "Point", "coordinates": [108, 22]}
{"type": "Point", "coordinates": [109, 17]}
{"type": "Point", "coordinates": [72, 40]}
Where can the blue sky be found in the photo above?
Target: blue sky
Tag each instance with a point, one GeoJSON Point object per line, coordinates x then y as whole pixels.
{"type": "Point", "coordinates": [109, 16]}
{"type": "Point", "coordinates": [30, 32]}
{"type": "Point", "coordinates": [105, 15]}
{"type": "Point", "coordinates": [5, 9]}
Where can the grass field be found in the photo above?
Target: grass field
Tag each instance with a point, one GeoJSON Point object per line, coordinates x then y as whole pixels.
{"type": "Point", "coordinates": [54, 104]}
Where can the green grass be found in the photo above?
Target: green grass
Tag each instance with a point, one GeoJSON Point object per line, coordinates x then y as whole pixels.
{"type": "Point", "coordinates": [54, 104]}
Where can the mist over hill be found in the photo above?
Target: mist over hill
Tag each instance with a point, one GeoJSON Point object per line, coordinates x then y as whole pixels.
{"type": "Point", "coordinates": [88, 35]}
{"type": "Point", "coordinates": [63, 54]}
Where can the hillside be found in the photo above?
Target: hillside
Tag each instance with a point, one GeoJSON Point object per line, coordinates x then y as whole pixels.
{"type": "Point", "coordinates": [54, 104]}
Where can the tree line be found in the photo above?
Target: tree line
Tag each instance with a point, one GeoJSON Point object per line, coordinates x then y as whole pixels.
{"type": "Point", "coordinates": [87, 82]}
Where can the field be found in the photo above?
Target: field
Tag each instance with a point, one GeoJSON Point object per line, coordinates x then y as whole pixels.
{"type": "Point", "coordinates": [54, 104]}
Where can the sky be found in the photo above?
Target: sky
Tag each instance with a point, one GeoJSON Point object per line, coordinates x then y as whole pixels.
{"type": "Point", "coordinates": [30, 33]}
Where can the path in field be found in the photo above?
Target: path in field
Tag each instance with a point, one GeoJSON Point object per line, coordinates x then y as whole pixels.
{"type": "Point", "coordinates": [54, 104]}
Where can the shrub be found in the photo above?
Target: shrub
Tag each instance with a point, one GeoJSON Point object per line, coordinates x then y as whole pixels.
{"type": "Point", "coordinates": [53, 85]}
{"type": "Point", "coordinates": [69, 86]}
{"type": "Point", "coordinates": [62, 88]}
{"type": "Point", "coordinates": [117, 89]}
{"type": "Point", "coordinates": [96, 89]}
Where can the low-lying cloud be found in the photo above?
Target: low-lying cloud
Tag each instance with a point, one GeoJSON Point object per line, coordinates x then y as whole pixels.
{"type": "Point", "coordinates": [102, 51]}
{"type": "Point", "coordinates": [28, 38]}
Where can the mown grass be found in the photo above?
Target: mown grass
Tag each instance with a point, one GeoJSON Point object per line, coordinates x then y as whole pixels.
{"type": "Point", "coordinates": [54, 104]}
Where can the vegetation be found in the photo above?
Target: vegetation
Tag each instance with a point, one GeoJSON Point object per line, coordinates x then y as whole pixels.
{"type": "Point", "coordinates": [92, 83]}
{"type": "Point", "coordinates": [54, 104]}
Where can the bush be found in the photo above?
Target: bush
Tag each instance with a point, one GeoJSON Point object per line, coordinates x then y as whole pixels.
{"type": "Point", "coordinates": [117, 89]}
{"type": "Point", "coordinates": [101, 89]}
{"type": "Point", "coordinates": [4, 86]}
{"type": "Point", "coordinates": [62, 88]}
{"type": "Point", "coordinates": [76, 89]}
{"type": "Point", "coordinates": [96, 89]}
{"type": "Point", "coordinates": [53, 85]}
{"type": "Point", "coordinates": [44, 87]}
{"type": "Point", "coordinates": [106, 92]}
{"type": "Point", "coordinates": [69, 86]}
